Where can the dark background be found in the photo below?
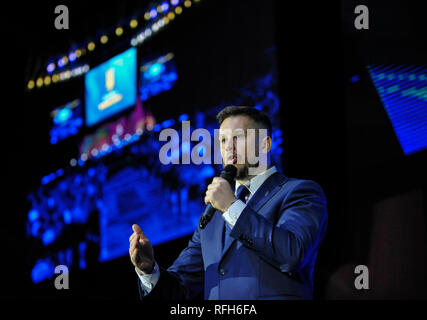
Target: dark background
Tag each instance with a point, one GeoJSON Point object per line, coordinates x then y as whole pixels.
{"type": "Point", "coordinates": [335, 132]}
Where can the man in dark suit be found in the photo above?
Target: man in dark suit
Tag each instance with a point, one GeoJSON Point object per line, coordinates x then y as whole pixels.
{"type": "Point", "coordinates": [263, 240]}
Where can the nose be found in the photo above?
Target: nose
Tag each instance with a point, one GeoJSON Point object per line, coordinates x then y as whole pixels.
{"type": "Point", "coordinates": [230, 144]}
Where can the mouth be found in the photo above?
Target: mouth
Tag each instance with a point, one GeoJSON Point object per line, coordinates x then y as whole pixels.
{"type": "Point", "coordinates": [232, 159]}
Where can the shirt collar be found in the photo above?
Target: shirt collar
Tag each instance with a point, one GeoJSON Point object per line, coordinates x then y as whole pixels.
{"type": "Point", "coordinates": [256, 182]}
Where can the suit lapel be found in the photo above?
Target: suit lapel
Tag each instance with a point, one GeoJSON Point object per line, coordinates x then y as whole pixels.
{"type": "Point", "coordinates": [268, 189]}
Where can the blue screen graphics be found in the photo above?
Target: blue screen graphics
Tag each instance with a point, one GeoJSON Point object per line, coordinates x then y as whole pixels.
{"type": "Point", "coordinates": [67, 120]}
{"type": "Point", "coordinates": [132, 196]}
{"type": "Point", "coordinates": [111, 87]}
{"type": "Point", "coordinates": [403, 92]}
{"type": "Point", "coordinates": [157, 75]}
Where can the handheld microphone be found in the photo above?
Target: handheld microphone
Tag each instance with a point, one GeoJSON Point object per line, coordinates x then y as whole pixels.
{"type": "Point", "coordinates": [228, 173]}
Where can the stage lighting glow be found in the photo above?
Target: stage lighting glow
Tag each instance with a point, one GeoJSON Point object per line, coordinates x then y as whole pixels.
{"type": "Point", "coordinates": [165, 6]}
{"type": "Point", "coordinates": [165, 20]}
{"type": "Point", "coordinates": [155, 70]}
{"type": "Point", "coordinates": [78, 53]}
{"type": "Point", "coordinates": [158, 75]}
{"type": "Point", "coordinates": [67, 216]}
{"type": "Point", "coordinates": [157, 127]}
{"type": "Point", "coordinates": [73, 162]}
{"type": "Point", "coordinates": [72, 56]}
{"type": "Point", "coordinates": [153, 13]}
{"type": "Point", "coordinates": [91, 46]}
{"type": "Point", "coordinates": [51, 67]}
{"type": "Point", "coordinates": [159, 8]}
{"type": "Point", "coordinates": [183, 117]}
{"type": "Point", "coordinates": [187, 3]}
{"type": "Point", "coordinates": [39, 82]}
{"type": "Point", "coordinates": [30, 84]}
{"type": "Point", "coordinates": [48, 237]}
{"type": "Point", "coordinates": [104, 39]}
{"type": "Point", "coordinates": [60, 63]}
{"type": "Point", "coordinates": [119, 31]}
{"type": "Point", "coordinates": [133, 23]}
{"type": "Point", "coordinates": [82, 255]}
{"type": "Point", "coordinates": [168, 123]}
{"type": "Point", "coordinates": [33, 215]}
{"type": "Point", "coordinates": [42, 270]}
{"type": "Point", "coordinates": [171, 15]}
{"type": "Point", "coordinates": [55, 78]}
{"type": "Point", "coordinates": [207, 172]}
{"type": "Point", "coordinates": [147, 16]}
{"type": "Point", "coordinates": [46, 80]}
{"type": "Point", "coordinates": [178, 10]}
{"type": "Point", "coordinates": [355, 79]}
{"type": "Point", "coordinates": [174, 2]}
{"type": "Point", "coordinates": [62, 116]}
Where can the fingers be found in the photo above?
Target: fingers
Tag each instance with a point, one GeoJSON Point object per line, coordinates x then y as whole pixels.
{"type": "Point", "coordinates": [134, 243]}
{"type": "Point", "coordinates": [136, 229]}
{"type": "Point", "coordinates": [208, 196]}
{"type": "Point", "coordinates": [133, 237]}
{"type": "Point", "coordinates": [133, 248]}
{"type": "Point", "coordinates": [217, 180]}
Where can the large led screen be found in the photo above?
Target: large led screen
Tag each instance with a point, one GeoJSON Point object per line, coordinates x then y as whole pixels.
{"type": "Point", "coordinates": [110, 87]}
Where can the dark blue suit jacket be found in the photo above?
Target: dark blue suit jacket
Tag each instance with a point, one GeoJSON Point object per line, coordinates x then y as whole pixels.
{"type": "Point", "coordinates": [272, 254]}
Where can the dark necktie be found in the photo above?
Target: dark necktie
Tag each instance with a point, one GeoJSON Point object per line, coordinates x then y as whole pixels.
{"type": "Point", "coordinates": [242, 192]}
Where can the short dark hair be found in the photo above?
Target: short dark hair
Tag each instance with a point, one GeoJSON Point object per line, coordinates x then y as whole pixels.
{"type": "Point", "coordinates": [256, 115]}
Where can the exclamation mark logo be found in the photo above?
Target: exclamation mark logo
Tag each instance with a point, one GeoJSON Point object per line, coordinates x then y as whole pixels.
{"type": "Point", "coordinates": [109, 79]}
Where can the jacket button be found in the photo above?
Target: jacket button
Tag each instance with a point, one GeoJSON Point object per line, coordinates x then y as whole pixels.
{"type": "Point", "coordinates": [221, 271]}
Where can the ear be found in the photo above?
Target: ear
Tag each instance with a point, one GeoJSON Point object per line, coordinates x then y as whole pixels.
{"type": "Point", "coordinates": [266, 144]}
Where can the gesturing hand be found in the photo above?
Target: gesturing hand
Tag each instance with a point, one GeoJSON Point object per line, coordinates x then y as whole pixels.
{"type": "Point", "coordinates": [141, 251]}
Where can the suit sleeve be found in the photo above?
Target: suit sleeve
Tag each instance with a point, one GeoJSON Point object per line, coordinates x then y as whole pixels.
{"type": "Point", "coordinates": [290, 241]}
{"type": "Point", "coordinates": [184, 279]}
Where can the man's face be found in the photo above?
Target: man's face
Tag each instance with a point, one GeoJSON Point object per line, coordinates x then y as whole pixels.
{"type": "Point", "coordinates": [234, 142]}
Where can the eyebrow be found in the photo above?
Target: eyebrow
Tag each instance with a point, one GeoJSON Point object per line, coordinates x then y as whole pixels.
{"type": "Point", "coordinates": [236, 133]}
{"type": "Point", "coordinates": [233, 135]}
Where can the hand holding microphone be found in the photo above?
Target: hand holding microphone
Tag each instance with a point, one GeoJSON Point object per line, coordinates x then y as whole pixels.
{"type": "Point", "coordinates": [219, 195]}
